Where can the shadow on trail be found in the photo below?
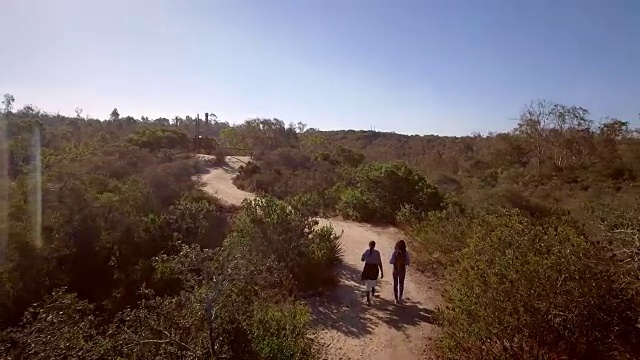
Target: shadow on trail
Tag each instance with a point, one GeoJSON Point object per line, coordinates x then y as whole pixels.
{"type": "Point", "coordinates": [207, 162]}
{"type": "Point", "coordinates": [228, 169]}
{"type": "Point", "coordinates": [342, 308]}
{"type": "Point", "coordinates": [232, 168]}
{"type": "Point", "coordinates": [400, 317]}
{"type": "Point", "coordinates": [345, 310]}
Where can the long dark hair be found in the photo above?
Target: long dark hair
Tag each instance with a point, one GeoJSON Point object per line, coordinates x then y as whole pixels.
{"type": "Point", "coordinates": [401, 247]}
{"type": "Point", "coordinates": [372, 245]}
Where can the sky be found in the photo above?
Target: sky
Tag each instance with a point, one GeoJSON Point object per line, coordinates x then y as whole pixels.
{"type": "Point", "coordinates": [446, 67]}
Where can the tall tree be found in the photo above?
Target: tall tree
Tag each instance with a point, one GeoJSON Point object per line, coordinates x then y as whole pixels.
{"type": "Point", "coordinates": [27, 110]}
{"type": "Point", "coordinates": [115, 115]}
{"type": "Point", "coordinates": [7, 102]}
{"type": "Point", "coordinates": [78, 110]}
{"type": "Point", "coordinates": [534, 121]}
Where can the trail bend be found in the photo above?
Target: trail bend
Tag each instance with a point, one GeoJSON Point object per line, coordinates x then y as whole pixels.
{"type": "Point", "coordinates": [345, 326]}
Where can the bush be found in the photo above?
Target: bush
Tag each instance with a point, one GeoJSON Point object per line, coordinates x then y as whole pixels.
{"type": "Point", "coordinates": [247, 279]}
{"type": "Point", "coordinates": [340, 156]}
{"type": "Point", "coordinates": [220, 156]}
{"type": "Point", "coordinates": [280, 331]}
{"type": "Point", "coordinates": [285, 174]}
{"type": "Point", "coordinates": [311, 204]}
{"type": "Point", "coordinates": [439, 239]}
{"type": "Point", "coordinates": [107, 210]}
{"type": "Point", "coordinates": [127, 232]}
{"type": "Point", "coordinates": [173, 327]}
{"type": "Point", "coordinates": [269, 226]}
{"type": "Point", "coordinates": [377, 192]}
{"type": "Point", "coordinates": [325, 252]}
{"type": "Point", "coordinates": [358, 205]}
{"type": "Point", "coordinates": [618, 230]}
{"type": "Point", "coordinates": [156, 138]}
{"type": "Point", "coordinates": [271, 254]}
{"type": "Point", "coordinates": [532, 289]}
{"type": "Point", "coordinates": [60, 327]}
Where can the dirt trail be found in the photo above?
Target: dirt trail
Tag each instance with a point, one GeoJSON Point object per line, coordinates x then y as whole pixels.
{"type": "Point", "coordinates": [346, 327]}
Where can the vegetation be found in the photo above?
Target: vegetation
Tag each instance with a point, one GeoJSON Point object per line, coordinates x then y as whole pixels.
{"type": "Point", "coordinates": [377, 192]}
{"type": "Point", "coordinates": [535, 232]}
{"type": "Point", "coordinates": [130, 258]}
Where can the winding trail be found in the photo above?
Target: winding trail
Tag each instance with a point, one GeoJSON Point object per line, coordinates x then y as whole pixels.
{"type": "Point", "coordinates": [346, 327]}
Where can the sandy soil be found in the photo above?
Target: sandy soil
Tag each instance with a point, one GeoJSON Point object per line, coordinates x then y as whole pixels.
{"type": "Point", "coordinates": [347, 328]}
{"type": "Point", "coordinates": [218, 180]}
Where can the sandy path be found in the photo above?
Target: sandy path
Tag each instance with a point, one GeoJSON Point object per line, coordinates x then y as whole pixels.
{"type": "Point", "coordinates": [346, 327]}
{"type": "Point", "coordinates": [218, 181]}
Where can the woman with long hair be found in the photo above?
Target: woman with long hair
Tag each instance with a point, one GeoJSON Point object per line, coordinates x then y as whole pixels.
{"type": "Point", "coordinates": [400, 261]}
{"type": "Point", "coordinates": [372, 267]}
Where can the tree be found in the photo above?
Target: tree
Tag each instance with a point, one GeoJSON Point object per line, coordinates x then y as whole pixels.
{"type": "Point", "coordinates": [556, 133]}
{"type": "Point", "coordinates": [570, 136]}
{"type": "Point", "coordinates": [162, 121]}
{"type": "Point", "coordinates": [27, 110]}
{"type": "Point", "coordinates": [8, 103]}
{"type": "Point", "coordinates": [156, 139]}
{"type": "Point", "coordinates": [614, 129]}
{"type": "Point", "coordinates": [78, 110]}
{"type": "Point", "coordinates": [231, 137]}
{"type": "Point", "coordinates": [378, 191]}
{"type": "Point", "coordinates": [534, 120]}
{"type": "Point", "coordinates": [115, 115]}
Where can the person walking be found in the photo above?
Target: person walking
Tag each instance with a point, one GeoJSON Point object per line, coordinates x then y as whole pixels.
{"type": "Point", "coordinates": [372, 268]}
{"type": "Point", "coordinates": [400, 261]}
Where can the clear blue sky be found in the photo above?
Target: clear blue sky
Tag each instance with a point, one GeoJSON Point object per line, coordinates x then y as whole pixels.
{"type": "Point", "coordinates": [445, 67]}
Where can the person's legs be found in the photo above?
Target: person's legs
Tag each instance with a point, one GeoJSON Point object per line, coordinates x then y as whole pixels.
{"type": "Point", "coordinates": [401, 276]}
{"type": "Point", "coordinates": [395, 285]}
{"type": "Point", "coordinates": [369, 289]}
{"type": "Point", "coordinates": [375, 282]}
{"type": "Point", "coordinates": [368, 285]}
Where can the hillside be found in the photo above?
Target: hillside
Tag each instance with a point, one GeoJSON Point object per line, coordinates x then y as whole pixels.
{"type": "Point", "coordinates": [144, 250]}
{"type": "Point", "coordinates": [346, 328]}
{"type": "Point", "coordinates": [534, 231]}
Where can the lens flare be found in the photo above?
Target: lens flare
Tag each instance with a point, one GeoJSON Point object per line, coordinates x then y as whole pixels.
{"type": "Point", "coordinates": [4, 186]}
{"type": "Point", "coordinates": [36, 188]}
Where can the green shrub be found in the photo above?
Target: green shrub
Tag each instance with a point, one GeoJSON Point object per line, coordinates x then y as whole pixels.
{"type": "Point", "coordinates": [188, 220]}
{"type": "Point", "coordinates": [107, 210]}
{"type": "Point", "coordinates": [233, 304]}
{"type": "Point", "coordinates": [310, 204]}
{"type": "Point", "coordinates": [325, 252]}
{"type": "Point", "coordinates": [618, 230]}
{"type": "Point", "coordinates": [377, 192]}
{"type": "Point", "coordinates": [281, 331]}
{"type": "Point", "coordinates": [340, 156]}
{"type": "Point", "coordinates": [59, 327]}
{"type": "Point", "coordinates": [156, 138]}
{"type": "Point", "coordinates": [358, 205]}
{"type": "Point", "coordinates": [440, 238]}
{"type": "Point", "coordinates": [532, 289]}
{"type": "Point", "coordinates": [173, 327]}
{"type": "Point", "coordinates": [219, 156]}
{"type": "Point", "coordinates": [269, 226]}
{"type": "Point", "coordinates": [408, 216]}
{"type": "Point", "coordinates": [271, 253]}
{"type": "Point", "coordinates": [247, 278]}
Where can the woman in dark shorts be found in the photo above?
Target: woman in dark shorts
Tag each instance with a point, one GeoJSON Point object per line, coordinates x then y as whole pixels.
{"type": "Point", "coordinates": [372, 267]}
